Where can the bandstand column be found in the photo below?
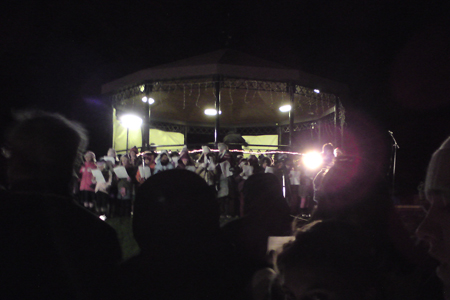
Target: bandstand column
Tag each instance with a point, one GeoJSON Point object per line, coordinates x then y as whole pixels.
{"type": "Point", "coordinates": [291, 113]}
{"type": "Point", "coordinates": [146, 124]}
{"type": "Point", "coordinates": [217, 82]}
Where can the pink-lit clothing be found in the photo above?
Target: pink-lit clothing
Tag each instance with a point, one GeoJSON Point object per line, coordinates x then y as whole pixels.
{"type": "Point", "coordinates": [86, 176]}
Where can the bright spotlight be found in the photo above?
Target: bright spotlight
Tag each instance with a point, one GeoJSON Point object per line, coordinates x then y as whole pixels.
{"type": "Point", "coordinates": [316, 91]}
{"type": "Point", "coordinates": [285, 108]}
{"type": "Point", "coordinates": [150, 100]}
{"type": "Point", "coordinates": [131, 121]}
{"type": "Point", "coordinates": [212, 112]}
{"type": "Point", "coordinates": [312, 160]}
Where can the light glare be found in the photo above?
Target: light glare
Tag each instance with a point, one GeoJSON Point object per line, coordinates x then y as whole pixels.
{"type": "Point", "coordinates": [212, 112]}
{"type": "Point", "coordinates": [316, 91]}
{"type": "Point", "coordinates": [312, 160]}
{"type": "Point", "coordinates": [285, 108]}
{"type": "Point", "coordinates": [131, 121]}
{"type": "Point", "coordinates": [150, 100]}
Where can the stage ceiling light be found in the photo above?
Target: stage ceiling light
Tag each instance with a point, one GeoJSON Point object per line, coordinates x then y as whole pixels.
{"type": "Point", "coordinates": [150, 100]}
{"type": "Point", "coordinates": [212, 112]}
{"type": "Point", "coordinates": [316, 91]}
{"type": "Point", "coordinates": [285, 108]}
{"type": "Point", "coordinates": [131, 121]}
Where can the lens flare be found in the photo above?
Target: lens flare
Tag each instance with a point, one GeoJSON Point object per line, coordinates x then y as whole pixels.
{"type": "Point", "coordinates": [312, 160]}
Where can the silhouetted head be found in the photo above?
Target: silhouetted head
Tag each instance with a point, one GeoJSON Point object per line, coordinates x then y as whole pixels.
{"type": "Point", "coordinates": [263, 194]}
{"type": "Point", "coordinates": [173, 209]}
{"type": "Point", "coordinates": [351, 182]}
{"type": "Point", "coordinates": [435, 228]}
{"type": "Point", "coordinates": [55, 144]}
{"type": "Point", "coordinates": [331, 260]}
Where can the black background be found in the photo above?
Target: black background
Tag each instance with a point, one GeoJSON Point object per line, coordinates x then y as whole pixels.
{"type": "Point", "coordinates": [394, 55]}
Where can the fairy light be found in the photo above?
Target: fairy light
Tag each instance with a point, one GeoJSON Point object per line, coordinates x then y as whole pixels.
{"type": "Point", "coordinates": [251, 152]}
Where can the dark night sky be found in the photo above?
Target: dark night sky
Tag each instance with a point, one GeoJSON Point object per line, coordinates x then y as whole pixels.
{"type": "Point", "coordinates": [394, 55]}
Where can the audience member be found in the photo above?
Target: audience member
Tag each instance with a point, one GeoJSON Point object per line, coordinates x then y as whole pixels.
{"type": "Point", "coordinates": [352, 190]}
{"type": "Point", "coordinates": [183, 254]}
{"type": "Point", "coordinates": [331, 260]}
{"type": "Point", "coordinates": [52, 248]}
{"type": "Point", "coordinates": [266, 214]}
{"type": "Point", "coordinates": [435, 229]}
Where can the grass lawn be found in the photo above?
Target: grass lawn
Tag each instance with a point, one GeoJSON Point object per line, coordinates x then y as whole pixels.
{"type": "Point", "coordinates": [122, 225]}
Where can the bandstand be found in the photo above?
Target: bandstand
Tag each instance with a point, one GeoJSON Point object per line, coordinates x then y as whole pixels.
{"type": "Point", "coordinates": [171, 100]}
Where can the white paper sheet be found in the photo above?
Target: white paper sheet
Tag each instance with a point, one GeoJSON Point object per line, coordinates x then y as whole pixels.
{"type": "Point", "coordinates": [225, 167]}
{"type": "Point", "coordinates": [295, 177]}
{"type": "Point", "coordinates": [211, 165]}
{"type": "Point", "coordinates": [145, 172]}
{"type": "Point", "coordinates": [121, 172]}
{"type": "Point", "coordinates": [190, 168]}
{"type": "Point", "coordinates": [248, 171]}
{"type": "Point", "coordinates": [175, 161]}
{"type": "Point", "coordinates": [269, 170]}
{"type": "Point", "coordinates": [98, 176]}
{"type": "Point", "coordinates": [109, 158]}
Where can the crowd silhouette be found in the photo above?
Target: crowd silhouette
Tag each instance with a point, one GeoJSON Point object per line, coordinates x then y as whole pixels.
{"type": "Point", "coordinates": [203, 224]}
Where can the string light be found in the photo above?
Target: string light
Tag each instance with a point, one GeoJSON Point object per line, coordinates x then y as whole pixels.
{"type": "Point", "coordinates": [240, 151]}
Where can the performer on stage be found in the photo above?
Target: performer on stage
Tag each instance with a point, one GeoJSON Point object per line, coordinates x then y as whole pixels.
{"type": "Point", "coordinates": [87, 193]}
{"type": "Point", "coordinates": [225, 188]}
{"type": "Point", "coordinates": [206, 166]}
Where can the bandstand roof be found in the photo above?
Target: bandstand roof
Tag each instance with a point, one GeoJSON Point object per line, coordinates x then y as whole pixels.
{"type": "Point", "coordinates": [252, 90]}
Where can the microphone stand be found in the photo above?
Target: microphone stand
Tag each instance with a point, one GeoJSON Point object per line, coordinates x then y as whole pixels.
{"type": "Point", "coordinates": [395, 146]}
